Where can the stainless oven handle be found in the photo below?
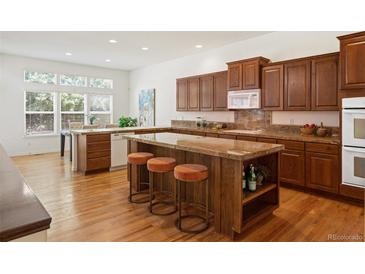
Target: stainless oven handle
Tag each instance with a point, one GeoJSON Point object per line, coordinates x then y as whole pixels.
{"type": "Point", "coordinates": [354, 149]}
{"type": "Point", "coordinates": [354, 111]}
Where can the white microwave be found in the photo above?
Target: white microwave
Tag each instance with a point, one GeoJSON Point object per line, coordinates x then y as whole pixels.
{"type": "Point", "coordinates": [244, 99]}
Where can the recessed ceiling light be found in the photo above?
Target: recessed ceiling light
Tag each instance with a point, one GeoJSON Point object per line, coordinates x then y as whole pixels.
{"type": "Point", "coordinates": [68, 53]}
{"type": "Point", "coordinates": [107, 60]}
{"type": "Point", "coordinates": [145, 48]}
{"type": "Point", "coordinates": [198, 46]}
{"type": "Point", "coordinates": [112, 41]}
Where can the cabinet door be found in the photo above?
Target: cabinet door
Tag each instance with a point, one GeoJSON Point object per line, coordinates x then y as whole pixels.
{"type": "Point", "coordinates": [325, 83]}
{"type": "Point", "coordinates": [297, 85]}
{"type": "Point", "coordinates": [220, 91]}
{"type": "Point", "coordinates": [193, 94]}
{"type": "Point", "coordinates": [322, 171]}
{"type": "Point", "coordinates": [273, 87]}
{"type": "Point", "coordinates": [352, 62]}
{"type": "Point", "coordinates": [181, 95]}
{"type": "Point", "coordinates": [250, 75]}
{"type": "Point", "coordinates": [234, 77]}
{"type": "Point", "coordinates": [292, 167]}
{"type": "Point", "coordinates": [206, 93]}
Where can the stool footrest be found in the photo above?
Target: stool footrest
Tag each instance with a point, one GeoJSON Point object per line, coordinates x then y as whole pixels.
{"type": "Point", "coordinates": [163, 203]}
{"type": "Point", "coordinates": [206, 226]}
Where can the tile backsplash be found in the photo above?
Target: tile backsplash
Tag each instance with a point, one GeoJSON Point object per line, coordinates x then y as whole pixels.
{"type": "Point", "coordinates": [252, 119]}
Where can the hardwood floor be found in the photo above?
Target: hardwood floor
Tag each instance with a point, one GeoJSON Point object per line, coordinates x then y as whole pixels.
{"type": "Point", "coordinates": [96, 208]}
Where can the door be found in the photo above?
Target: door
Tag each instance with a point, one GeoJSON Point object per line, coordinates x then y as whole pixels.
{"type": "Point", "coordinates": [193, 94]}
{"type": "Point", "coordinates": [325, 83]}
{"type": "Point", "coordinates": [273, 87]}
{"type": "Point", "coordinates": [220, 91]}
{"type": "Point", "coordinates": [322, 171]}
{"type": "Point", "coordinates": [292, 167]}
{"type": "Point", "coordinates": [353, 127]}
{"type": "Point", "coordinates": [206, 93]}
{"type": "Point", "coordinates": [353, 166]}
{"type": "Point", "coordinates": [352, 55]}
{"type": "Point", "coordinates": [297, 85]}
{"type": "Point", "coordinates": [181, 95]}
{"type": "Point", "coordinates": [234, 77]}
{"type": "Point", "coordinates": [250, 75]}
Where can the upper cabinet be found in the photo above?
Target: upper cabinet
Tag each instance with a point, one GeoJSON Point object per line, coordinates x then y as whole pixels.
{"type": "Point", "coordinates": [352, 61]}
{"type": "Point", "coordinates": [273, 87]}
{"type": "Point", "coordinates": [193, 94]}
{"type": "Point", "coordinates": [206, 93]}
{"type": "Point", "coordinates": [245, 74]}
{"type": "Point", "coordinates": [297, 85]}
{"type": "Point", "coordinates": [309, 83]}
{"type": "Point", "coordinates": [202, 92]}
{"type": "Point", "coordinates": [181, 95]}
{"type": "Point", "coordinates": [324, 88]}
{"type": "Point", "coordinates": [220, 91]}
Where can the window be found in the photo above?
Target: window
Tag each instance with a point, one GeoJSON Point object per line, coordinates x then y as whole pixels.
{"type": "Point", "coordinates": [39, 113]}
{"type": "Point", "coordinates": [100, 107]}
{"type": "Point", "coordinates": [73, 80]}
{"type": "Point", "coordinates": [101, 83]}
{"type": "Point", "coordinates": [72, 109]}
{"type": "Point", "coordinates": [40, 78]}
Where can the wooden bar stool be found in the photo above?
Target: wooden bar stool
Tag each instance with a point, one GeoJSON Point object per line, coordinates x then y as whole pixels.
{"type": "Point", "coordinates": [161, 165]}
{"type": "Point", "coordinates": [192, 173]}
{"type": "Point", "coordinates": [139, 159]}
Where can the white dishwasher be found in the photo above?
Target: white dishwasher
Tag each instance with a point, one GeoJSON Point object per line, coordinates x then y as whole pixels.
{"type": "Point", "coordinates": [119, 152]}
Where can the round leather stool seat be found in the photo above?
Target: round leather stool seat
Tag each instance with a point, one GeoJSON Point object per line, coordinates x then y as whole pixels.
{"type": "Point", "coordinates": [139, 158]}
{"type": "Point", "coordinates": [191, 172]}
{"type": "Point", "coordinates": [161, 164]}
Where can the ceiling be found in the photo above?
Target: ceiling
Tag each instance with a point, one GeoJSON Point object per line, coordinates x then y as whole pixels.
{"type": "Point", "coordinates": [93, 48]}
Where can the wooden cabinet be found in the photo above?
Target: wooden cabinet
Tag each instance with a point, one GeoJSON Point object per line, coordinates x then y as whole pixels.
{"type": "Point", "coordinates": [181, 95]}
{"type": "Point", "coordinates": [193, 94]}
{"type": "Point", "coordinates": [93, 152]}
{"type": "Point", "coordinates": [322, 171]}
{"type": "Point", "coordinates": [352, 61]}
{"type": "Point", "coordinates": [324, 87]}
{"type": "Point", "coordinates": [273, 87]}
{"type": "Point", "coordinates": [206, 93]}
{"type": "Point", "coordinates": [297, 85]}
{"type": "Point", "coordinates": [234, 76]}
{"type": "Point", "coordinates": [246, 138]}
{"type": "Point", "coordinates": [220, 91]}
{"type": "Point", "coordinates": [251, 75]}
{"type": "Point", "coordinates": [245, 74]}
{"type": "Point", "coordinates": [292, 167]}
{"type": "Point", "coordinates": [227, 136]}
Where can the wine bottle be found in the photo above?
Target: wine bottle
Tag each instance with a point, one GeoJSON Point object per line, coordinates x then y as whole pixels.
{"type": "Point", "coordinates": [252, 179]}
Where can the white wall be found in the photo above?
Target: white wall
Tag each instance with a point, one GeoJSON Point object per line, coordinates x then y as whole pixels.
{"type": "Point", "coordinates": [12, 89]}
{"type": "Point", "coordinates": [276, 46]}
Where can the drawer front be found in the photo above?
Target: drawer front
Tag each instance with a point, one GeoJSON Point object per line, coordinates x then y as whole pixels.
{"type": "Point", "coordinates": [322, 148]}
{"type": "Point", "coordinates": [246, 138]}
{"type": "Point", "coordinates": [292, 167]}
{"type": "Point", "coordinates": [212, 135]}
{"type": "Point", "coordinates": [98, 163]}
{"type": "Point", "coordinates": [98, 154]}
{"type": "Point", "coordinates": [292, 145]}
{"type": "Point", "coordinates": [266, 140]}
{"type": "Point", "coordinates": [227, 136]}
{"type": "Point", "coordinates": [98, 138]}
{"type": "Point", "coordinates": [101, 146]}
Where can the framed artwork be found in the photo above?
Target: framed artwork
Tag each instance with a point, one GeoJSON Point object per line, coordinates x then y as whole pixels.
{"type": "Point", "coordinates": [146, 103]}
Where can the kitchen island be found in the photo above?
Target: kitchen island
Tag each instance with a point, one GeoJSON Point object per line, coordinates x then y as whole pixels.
{"type": "Point", "coordinates": [233, 210]}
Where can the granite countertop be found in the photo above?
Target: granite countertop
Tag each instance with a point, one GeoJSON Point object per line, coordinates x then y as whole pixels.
{"type": "Point", "coordinates": [276, 134]}
{"type": "Point", "coordinates": [225, 148]}
{"type": "Point", "coordinates": [21, 213]}
{"type": "Point", "coordinates": [116, 130]}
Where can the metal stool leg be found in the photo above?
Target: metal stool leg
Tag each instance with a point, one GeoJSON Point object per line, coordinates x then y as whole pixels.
{"type": "Point", "coordinates": [179, 199]}
{"type": "Point", "coordinates": [151, 189]}
{"type": "Point", "coordinates": [207, 201]}
{"type": "Point", "coordinates": [131, 194]}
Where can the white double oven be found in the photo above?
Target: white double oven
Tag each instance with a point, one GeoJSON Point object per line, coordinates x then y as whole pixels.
{"type": "Point", "coordinates": [353, 141]}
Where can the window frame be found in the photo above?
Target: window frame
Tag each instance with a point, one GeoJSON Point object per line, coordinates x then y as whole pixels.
{"type": "Point", "coordinates": [37, 83]}
{"type": "Point", "coordinates": [101, 88]}
{"type": "Point", "coordinates": [84, 112]}
{"type": "Point", "coordinates": [54, 112]}
{"type": "Point", "coordinates": [110, 112]}
{"type": "Point", "coordinates": [68, 74]}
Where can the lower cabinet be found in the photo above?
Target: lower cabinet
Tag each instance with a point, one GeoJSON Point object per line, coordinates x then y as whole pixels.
{"type": "Point", "coordinates": [292, 167]}
{"type": "Point", "coordinates": [322, 171]}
